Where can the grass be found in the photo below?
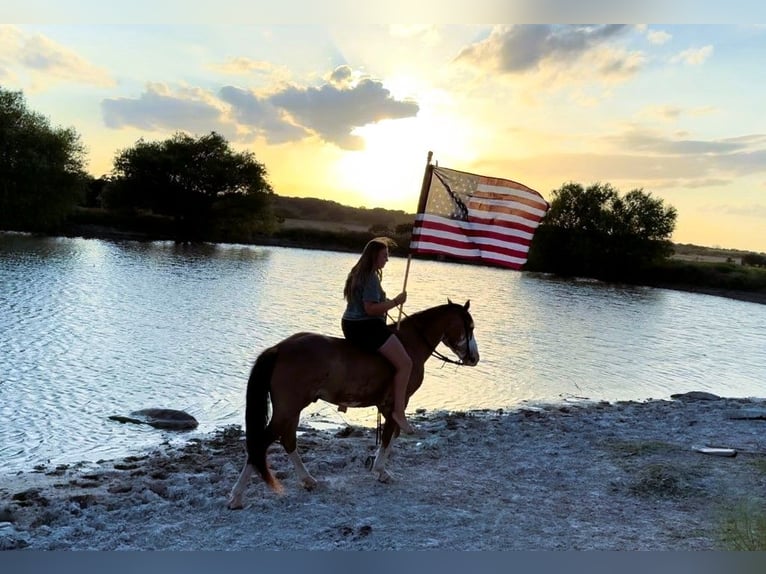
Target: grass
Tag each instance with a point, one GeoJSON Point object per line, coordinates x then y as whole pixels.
{"type": "Point", "coordinates": [640, 448]}
{"type": "Point", "coordinates": [709, 274]}
{"type": "Point", "coordinates": [759, 465]}
{"type": "Point", "coordinates": [660, 479]}
{"type": "Point", "coordinates": [650, 474]}
{"type": "Point", "coordinates": [743, 527]}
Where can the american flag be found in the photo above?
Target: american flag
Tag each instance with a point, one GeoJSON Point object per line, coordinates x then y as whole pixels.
{"type": "Point", "coordinates": [486, 219]}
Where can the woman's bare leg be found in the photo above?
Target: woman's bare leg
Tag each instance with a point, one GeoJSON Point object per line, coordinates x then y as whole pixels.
{"type": "Point", "coordinates": [394, 351]}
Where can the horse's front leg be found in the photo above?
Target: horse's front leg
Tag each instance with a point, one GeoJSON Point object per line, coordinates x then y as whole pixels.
{"type": "Point", "coordinates": [384, 450]}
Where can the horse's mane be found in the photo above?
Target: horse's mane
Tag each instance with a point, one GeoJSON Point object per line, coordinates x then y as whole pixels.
{"type": "Point", "coordinates": [425, 313]}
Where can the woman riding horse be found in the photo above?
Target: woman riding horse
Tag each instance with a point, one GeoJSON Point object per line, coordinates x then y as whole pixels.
{"type": "Point", "coordinates": [307, 367]}
{"type": "Point", "coordinates": [364, 320]}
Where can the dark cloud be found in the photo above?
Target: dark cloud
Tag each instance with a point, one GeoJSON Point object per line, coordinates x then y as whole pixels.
{"type": "Point", "coordinates": [331, 111]}
{"type": "Point", "coordinates": [159, 111]}
{"type": "Point", "coordinates": [525, 47]}
{"type": "Point", "coordinates": [653, 159]}
{"type": "Point", "coordinates": [259, 116]}
{"type": "Point", "coordinates": [341, 76]}
{"type": "Point", "coordinates": [334, 110]}
{"type": "Point", "coordinates": [740, 155]}
{"type": "Point", "coordinates": [746, 162]}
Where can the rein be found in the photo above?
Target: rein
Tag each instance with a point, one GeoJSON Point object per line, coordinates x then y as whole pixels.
{"type": "Point", "coordinates": [446, 359]}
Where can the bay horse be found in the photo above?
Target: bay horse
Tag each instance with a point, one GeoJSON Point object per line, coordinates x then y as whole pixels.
{"type": "Point", "coordinates": [306, 367]}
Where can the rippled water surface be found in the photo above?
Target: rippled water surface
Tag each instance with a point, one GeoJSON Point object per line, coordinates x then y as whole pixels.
{"type": "Point", "coordinates": [92, 328]}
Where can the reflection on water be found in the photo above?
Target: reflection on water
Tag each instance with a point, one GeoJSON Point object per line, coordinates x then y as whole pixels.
{"type": "Point", "coordinates": [91, 328]}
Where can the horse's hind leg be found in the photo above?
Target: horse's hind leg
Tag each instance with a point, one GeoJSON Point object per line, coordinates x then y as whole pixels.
{"type": "Point", "coordinates": [236, 496]}
{"type": "Point", "coordinates": [384, 450]}
{"type": "Point", "coordinates": [306, 479]}
{"type": "Point", "coordinates": [289, 442]}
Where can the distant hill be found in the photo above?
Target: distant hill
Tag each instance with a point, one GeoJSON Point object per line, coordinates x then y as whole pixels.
{"type": "Point", "coordinates": [690, 252]}
{"type": "Point", "coordinates": [314, 209]}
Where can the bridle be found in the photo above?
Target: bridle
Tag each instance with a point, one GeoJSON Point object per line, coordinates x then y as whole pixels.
{"type": "Point", "coordinates": [446, 359]}
{"type": "Point", "coordinates": [437, 354]}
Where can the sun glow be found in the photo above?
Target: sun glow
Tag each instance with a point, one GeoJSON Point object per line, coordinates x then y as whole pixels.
{"type": "Point", "coordinates": [389, 171]}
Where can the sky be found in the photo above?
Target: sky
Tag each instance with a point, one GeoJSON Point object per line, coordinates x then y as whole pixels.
{"type": "Point", "coordinates": [346, 106]}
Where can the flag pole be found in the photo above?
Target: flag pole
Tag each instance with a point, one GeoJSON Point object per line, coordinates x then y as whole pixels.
{"type": "Point", "coordinates": [424, 187]}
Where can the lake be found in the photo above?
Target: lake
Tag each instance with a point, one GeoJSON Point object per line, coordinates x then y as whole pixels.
{"type": "Point", "coordinates": [91, 328]}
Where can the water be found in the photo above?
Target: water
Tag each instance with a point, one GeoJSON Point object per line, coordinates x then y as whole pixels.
{"type": "Point", "coordinates": [92, 328]}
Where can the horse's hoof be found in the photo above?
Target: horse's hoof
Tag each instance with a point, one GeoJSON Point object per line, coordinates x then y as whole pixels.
{"type": "Point", "coordinates": [385, 477]}
{"type": "Point", "coordinates": [235, 504]}
{"type": "Point", "coordinates": [310, 483]}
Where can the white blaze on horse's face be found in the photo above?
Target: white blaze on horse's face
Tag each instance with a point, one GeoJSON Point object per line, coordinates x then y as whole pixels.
{"type": "Point", "coordinates": [465, 347]}
{"type": "Point", "coordinates": [473, 351]}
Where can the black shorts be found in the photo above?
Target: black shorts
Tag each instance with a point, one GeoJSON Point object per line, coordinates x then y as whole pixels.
{"type": "Point", "coordinates": [369, 334]}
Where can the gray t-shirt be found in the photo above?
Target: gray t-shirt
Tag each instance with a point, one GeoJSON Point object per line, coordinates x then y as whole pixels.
{"type": "Point", "coordinates": [370, 291]}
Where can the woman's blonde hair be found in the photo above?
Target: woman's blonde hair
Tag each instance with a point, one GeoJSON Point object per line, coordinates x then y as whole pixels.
{"type": "Point", "coordinates": [365, 266]}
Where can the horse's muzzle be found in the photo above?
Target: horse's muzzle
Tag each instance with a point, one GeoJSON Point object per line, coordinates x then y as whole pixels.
{"type": "Point", "coordinates": [471, 356]}
{"type": "Point", "coordinates": [471, 359]}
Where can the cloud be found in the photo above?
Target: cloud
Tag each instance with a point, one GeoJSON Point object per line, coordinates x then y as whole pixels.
{"type": "Point", "coordinates": [257, 116]}
{"type": "Point", "coordinates": [671, 113]}
{"type": "Point", "coordinates": [658, 37]}
{"type": "Point", "coordinates": [519, 49]}
{"type": "Point", "coordinates": [539, 60]}
{"type": "Point", "coordinates": [242, 66]}
{"type": "Point", "coordinates": [754, 210]}
{"type": "Point", "coordinates": [46, 61]}
{"type": "Point", "coordinates": [6, 75]}
{"type": "Point", "coordinates": [663, 112]}
{"type": "Point", "coordinates": [656, 144]}
{"type": "Point", "coordinates": [334, 109]}
{"type": "Point", "coordinates": [341, 77]}
{"type": "Point", "coordinates": [693, 56]}
{"type": "Point", "coordinates": [159, 109]}
{"type": "Point", "coordinates": [427, 34]}
{"type": "Point", "coordinates": [691, 162]}
{"type": "Point", "coordinates": [640, 158]}
{"type": "Point", "coordinates": [289, 112]}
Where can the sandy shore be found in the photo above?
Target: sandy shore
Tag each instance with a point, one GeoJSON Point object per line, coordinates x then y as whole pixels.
{"type": "Point", "coordinates": [580, 476]}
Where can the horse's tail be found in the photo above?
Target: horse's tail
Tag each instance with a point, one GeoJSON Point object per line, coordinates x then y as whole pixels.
{"type": "Point", "coordinates": [257, 437]}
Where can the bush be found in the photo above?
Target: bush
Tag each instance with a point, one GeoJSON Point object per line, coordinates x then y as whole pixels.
{"type": "Point", "coordinates": [743, 527]}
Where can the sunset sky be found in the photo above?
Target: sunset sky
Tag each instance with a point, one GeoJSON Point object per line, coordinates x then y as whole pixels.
{"type": "Point", "coordinates": [348, 111]}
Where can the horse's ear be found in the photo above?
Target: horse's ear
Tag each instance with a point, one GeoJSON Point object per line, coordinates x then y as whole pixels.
{"type": "Point", "coordinates": [467, 305]}
{"type": "Point", "coordinates": [449, 301]}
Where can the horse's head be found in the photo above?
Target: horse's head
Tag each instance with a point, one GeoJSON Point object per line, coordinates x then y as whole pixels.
{"type": "Point", "coordinates": [458, 334]}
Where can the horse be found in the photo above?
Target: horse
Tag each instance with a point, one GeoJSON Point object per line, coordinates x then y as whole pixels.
{"type": "Point", "coordinates": [306, 367]}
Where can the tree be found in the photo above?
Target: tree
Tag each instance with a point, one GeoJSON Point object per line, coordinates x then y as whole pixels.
{"type": "Point", "coordinates": [42, 177]}
{"type": "Point", "coordinates": [193, 180]}
{"type": "Point", "coordinates": [754, 259]}
{"type": "Point", "coordinates": [379, 228]}
{"type": "Point", "coordinates": [596, 232]}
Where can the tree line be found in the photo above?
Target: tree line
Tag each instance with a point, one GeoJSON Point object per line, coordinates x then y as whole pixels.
{"type": "Point", "coordinates": [192, 189]}
{"type": "Point", "coordinates": [199, 189]}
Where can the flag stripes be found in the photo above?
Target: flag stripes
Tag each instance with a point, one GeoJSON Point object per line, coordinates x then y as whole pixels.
{"type": "Point", "coordinates": [433, 234]}
{"type": "Point", "coordinates": [480, 218]}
